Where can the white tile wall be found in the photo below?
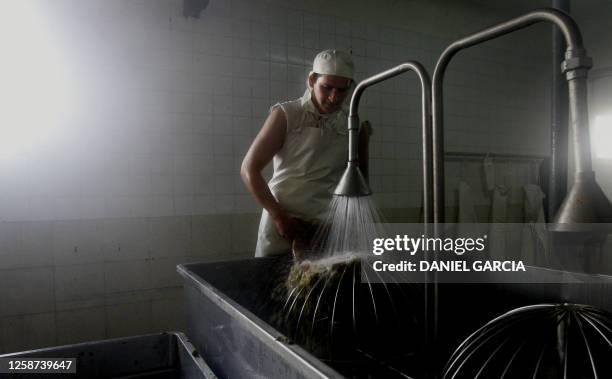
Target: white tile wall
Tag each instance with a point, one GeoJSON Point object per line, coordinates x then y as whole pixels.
{"type": "Point", "coordinates": [167, 314]}
{"type": "Point", "coordinates": [136, 267]}
{"type": "Point", "coordinates": [26, 331]}
{"type": "Point", "coordinates": [78, 282]}
{"type": "Point", "coordinates": [129, 319]}
{"type": "Point", "coordinates": [126, 276]}
{"type": "Point", "coordinates": [163, 271]}
{"type": "Point", "coordinates": [77, 325]}
{"type": "Point", "coordinates": [170, 237]}
{"type": "Point", "coordinates": [26, 290]}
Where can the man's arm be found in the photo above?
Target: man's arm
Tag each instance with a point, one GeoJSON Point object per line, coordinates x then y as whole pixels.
{"type": "Point", "coordinates": [267, 143]}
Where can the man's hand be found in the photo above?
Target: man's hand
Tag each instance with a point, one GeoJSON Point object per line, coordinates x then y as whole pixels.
{"type": "Point", "coordinates": [310, 239]}
{"type": "Point", "coordinates": [287, 227]}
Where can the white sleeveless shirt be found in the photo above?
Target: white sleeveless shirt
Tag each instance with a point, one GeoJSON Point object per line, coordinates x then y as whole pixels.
{"type": "Point", "coordinates": [306, 169]}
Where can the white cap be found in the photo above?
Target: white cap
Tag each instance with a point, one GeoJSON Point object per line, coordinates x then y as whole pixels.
{"type": "Point", "coordinates": [334, 62]}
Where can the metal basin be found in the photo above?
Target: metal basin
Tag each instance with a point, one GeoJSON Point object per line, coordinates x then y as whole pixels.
{"type": "Point", "coordinates": [229, 317]}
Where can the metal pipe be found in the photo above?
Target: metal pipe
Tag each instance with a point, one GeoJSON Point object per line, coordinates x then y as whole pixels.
{"type": "Point", "coordinates": [557, 183]}
{"type": "Point", "coordinates": [347, 184]}
{"type": "Point", "coordinates": [426, 119]}
{"type": "Point", "coordinates": [578, 116]}
{"type": "Point", "coordinates": [574, 67]}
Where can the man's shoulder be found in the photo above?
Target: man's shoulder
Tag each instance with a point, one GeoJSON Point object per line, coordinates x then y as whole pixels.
{"type": "Point", "coordinates": [290, 105]}
{"type": "Point", "coordinates": [295, 102]}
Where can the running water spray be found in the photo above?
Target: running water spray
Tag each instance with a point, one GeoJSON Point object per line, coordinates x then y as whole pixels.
{"type": "Point", "coordinates": [328, 306]}
{"type": "Point", "coordinates": [351, 225]}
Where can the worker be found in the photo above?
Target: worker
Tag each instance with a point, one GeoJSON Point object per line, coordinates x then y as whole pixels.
{"type": "Point", "coordinates": [307, 139]}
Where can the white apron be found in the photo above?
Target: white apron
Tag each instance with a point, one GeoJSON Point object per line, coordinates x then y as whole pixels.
{"type": "Point", "coordinates": [498, 231]}
{"type": "Point", "coordinates": [466, 212]}
{"type": "Point", "coordinates": [533, 239]}
{"type": "Point", "coordinates": [306, 169]}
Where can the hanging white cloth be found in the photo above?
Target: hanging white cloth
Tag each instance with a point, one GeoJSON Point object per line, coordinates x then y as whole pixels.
{"type": "Point", "coordinates": [489, 173]}
{"type": "Point", "coordinates": [466, 212]}
{"type": "Point", "coordinates": [497, 232]}
{"type": "Point", "coordinates": [533, 236]}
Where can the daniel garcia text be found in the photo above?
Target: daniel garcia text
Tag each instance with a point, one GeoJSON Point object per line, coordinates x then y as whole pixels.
{"type": "Point", "coordinates": [449, 266]}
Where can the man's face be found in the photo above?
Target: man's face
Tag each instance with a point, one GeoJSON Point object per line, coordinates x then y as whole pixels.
{"type": "Point", "coordinates": [329, 91]}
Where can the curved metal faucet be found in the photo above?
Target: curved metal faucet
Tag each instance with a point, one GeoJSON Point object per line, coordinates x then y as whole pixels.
{"type": "Point", "coordinates": [586, 202]}
{"type": "Point", "coordinates": [353, 182]}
